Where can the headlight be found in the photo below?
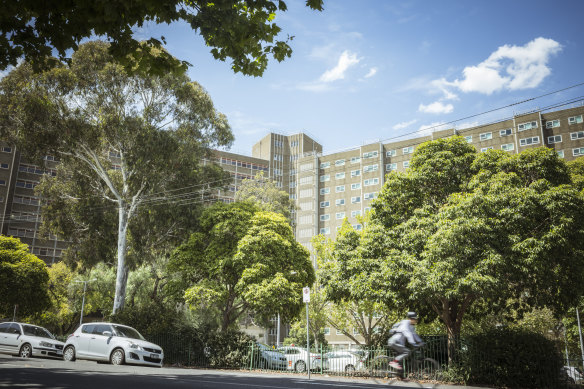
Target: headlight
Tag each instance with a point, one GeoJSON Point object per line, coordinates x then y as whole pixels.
{"type": "Point", "coordinates": [136, 346]}
{"type": "Point", "coordinates": [46, 344]}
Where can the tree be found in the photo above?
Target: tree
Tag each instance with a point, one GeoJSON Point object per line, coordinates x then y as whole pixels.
{"type": "Point", "coordinates": [459, 228]}
{"type": "Point", "coordinates": [576, 168]}
{"type": "Point", "coordinates": [265, 194]}
{"type": "Point", "coordinates": [24, 280]}
{"type": "Point", "coordinates": [124, 142]}
{"type": "Point", "coordinates": [243, 260]}
{"type": "Point", "coordinates": [242, 30]}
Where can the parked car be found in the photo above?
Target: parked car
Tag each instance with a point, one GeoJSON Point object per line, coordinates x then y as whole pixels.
{"type": "Point", "coordinates": [574, 374]}
{"type": "Point", "coordinates": [267, 357]}
{"type": "Point", "coordinates": [297, 359]}
{"type": "Point", "coordinates": [28, 340]}
{"type": "Point", "coordinates": [344, 361]}
{"type": "Point", "coordinates": [114, 343]}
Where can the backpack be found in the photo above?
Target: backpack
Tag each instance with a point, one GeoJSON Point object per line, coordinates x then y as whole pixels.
{"type": "Point", "coordinates": [394, 328]}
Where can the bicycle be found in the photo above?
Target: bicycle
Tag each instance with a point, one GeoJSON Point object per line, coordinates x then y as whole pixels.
{"type": "Point", "coordinates": [415, 366]}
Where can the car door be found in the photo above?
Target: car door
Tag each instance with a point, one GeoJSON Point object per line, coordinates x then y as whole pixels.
{"type": "Point", "coordinates": [99, 343]}
{"type": "Point", "coordinates": [3, 336]}
{"type": "Point", "coordinates": [82, 339]}
{"type": "Point", "coordinates": [12, 339]}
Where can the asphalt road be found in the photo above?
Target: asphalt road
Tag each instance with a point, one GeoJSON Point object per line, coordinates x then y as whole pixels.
{"type": "Point", "coordinates": [55, 374]}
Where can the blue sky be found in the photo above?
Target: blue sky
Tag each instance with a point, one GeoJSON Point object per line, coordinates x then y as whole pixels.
{"type": "Point", "coordinates": [371, 70]}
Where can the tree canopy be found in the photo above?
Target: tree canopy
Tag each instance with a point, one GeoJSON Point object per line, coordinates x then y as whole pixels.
{"type": "Point", "coordinates": [265, 194]}
{"type": "Point", "coordinates": [242, 30]}
{"type": "Point", "coordinates": [459, 228]}
{"type": "Point", "coordinates": [243, 260]}
{"type": "Point", "coordinates": [130, 147]}
{"type": "Point", "coordinates": [24, 279]}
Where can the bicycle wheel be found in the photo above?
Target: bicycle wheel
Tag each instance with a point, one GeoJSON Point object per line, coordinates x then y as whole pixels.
{"type": "Point", "coordinates": [428, 368]}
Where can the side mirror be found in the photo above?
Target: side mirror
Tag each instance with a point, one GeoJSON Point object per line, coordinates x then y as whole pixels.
{"type": "Point", "coordinates": [107, 333]}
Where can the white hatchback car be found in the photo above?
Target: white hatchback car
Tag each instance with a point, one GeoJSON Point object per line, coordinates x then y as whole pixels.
{"type": "Point", "coordinates": [114, 343]}
{"type": "Point", "coordinates": [27, 340]}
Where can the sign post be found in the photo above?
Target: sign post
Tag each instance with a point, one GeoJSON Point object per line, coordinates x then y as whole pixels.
{"type": "Point", "coordinates": [306, 299]}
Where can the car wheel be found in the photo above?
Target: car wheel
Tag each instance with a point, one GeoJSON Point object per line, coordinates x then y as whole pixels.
{"type": "Point", "coordinates": [300, 366]}
{"type": "Point", "coordinates": [350, 369]}
{"type": "Point", "coordinates": [25, 351]}
{"type": "Point", "coordinates": [69, 354]}
{"type": "Point", "coordinates": [117, 357]}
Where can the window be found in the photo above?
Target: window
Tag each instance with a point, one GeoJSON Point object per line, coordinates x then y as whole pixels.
{"type": "Point", "coordinates": [6, 149]}
{"type": "Point", "coordinates": [370, 196]}
{"type": "Point", "coordinates": [340, 176]}
{"type": "Point", "coordinates": [355, 173]}
{"type": "Point", "coordinates": [508, 147]}
{"type": "Point", "coordinates": [324, 204]}
{"type": "Point", "coordinates": [292, 184]}
{"type": "Point", "coordinates": [327, 331]}
{"type": "Point", "coordinates": [391, 153]}
{"type": "Point", "coordinates": [278, 143]}
{"type": "Point", "coordinates": [408, 150]}
{"type": "Point", "coordinates": [325, 178]}
{"type": "Point", "coordinates": [370, 168]}
{"type": "Point", "coordinates": [486, 149]}
{"type": "Point", "coordinates": [560, 153]}
{"type": "Point", "coordinates": [526, 126]}
{"type": "Point", "coordinates": [391, 167]}
{"type": "Point", "coordinates": [356, 186]}
{"type": "Point", "coordinates": [406, 164]}
{"type": "Point", "coordinates": [529, 141]}
{"type": "Point", "coordinates": [506, 132]}
{"type": "Point", "coordinates": [578, 152]}
{"type": "Point", "coordinates": [324, 218]}
{"type": "Point", "coordinates": [292, 172]}
{"type": "Point", "coordinates": [576, 135]}
{"type": "Point", "coordinates": [293, 157]}
{"type": "Point", "coordinates": [3, 166]}
{"type": "Point", "coordinates": [293, 196]}
{"type": "Point", "coordinates": [355, 331]}
{"type": "Point", "coordinates": [340, 188]}
{"type": "Point", "coordinates": [340, 202]}
{"type": "Point", "coordinates": [305, 180]}
{"type": "Point", "coordinates": [468, 138]}
{"type": "Point", "coordinates": [277, 157]}
{"type": "Point", "coordinates": [367, 209]}
{"type": "Point", "coordinates": [554, 139]}
{"type": "Point", "coordinates": [355, 213]}
{"type": "Point", "coordinates": [26, 184]}
{"type": "Point", "coordinates": [340, 215]}
{"type": "Point", "coordinates": [305, 219]}
{"type": "Point", "coordinates": [305, 167]}
{"type": "Point", "coordinates": [325, 231]}
{"type": "Point", "coordinates": [278, 172]}
{"type": "Point", "coordinates": [371, 181]}
{"type": "Point", "coordinates": [355, 159]}
{"type": "Point", "coordinates": [324, 191]}
{"type": "Point", "coordinates": [486, 136]}
{"type": "Point", "coordinates": [552, 123]}
{"type": "Point", "coordinates": [325, 165]}
{"type": "Point", "coordinates": [339, 332]}
{"type": "Point", "coordinates": [370, 154]}
{"type": "Point", "coordinates": [355, 199]}
{"type": "Point", "coordinates": [3, 182]}
{"type": "Point", "coordinates": [294, 143]}
{"type": "Point", "coordinates": [339, 162]}
{"type": "Point", "coordinates": [575, 119]}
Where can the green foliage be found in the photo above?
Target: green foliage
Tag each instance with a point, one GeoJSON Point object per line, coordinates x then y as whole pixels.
{"type": "Point", "coordinates": [510, 358]}
{"type": "Point", "coordinates": [242, 260]}
{"type": "Point", "coordinates": [576, 168]}
{"type": "Point", "coordinates": [265, 194]}
{"type": "Point", "coordinates": [297, 335]}
{"type": "Point", "coordinates": [24, 279]}
{"type": "Point", "coordinates": [243, 31]}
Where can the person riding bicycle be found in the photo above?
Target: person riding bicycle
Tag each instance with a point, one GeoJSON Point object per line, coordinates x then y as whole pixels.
{"type": "Point", "coordinates": [404, 332]}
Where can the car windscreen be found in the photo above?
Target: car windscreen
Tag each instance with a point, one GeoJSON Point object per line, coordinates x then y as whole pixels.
{"type": "Point", "coordinates": [36, 331]}
{"type": "Point", "coordinates": [127, 332]}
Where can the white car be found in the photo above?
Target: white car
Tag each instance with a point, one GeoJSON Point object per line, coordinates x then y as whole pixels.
{"type": "Point", "coordinates": [114, 343]}
{"type": "Point", "coordinates": [27, 340]}
{"type": "Point", "coordinates": [297, 359]}
{"type": "Point", "coordinates": [269, 358]}
{"type": "Point", "coordinates": [343, 361]}
{"type": "Point", "coordinates": [574, 374]}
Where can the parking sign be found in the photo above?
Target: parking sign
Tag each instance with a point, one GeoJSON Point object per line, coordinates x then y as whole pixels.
{"type": "Point", "coordinates": [306, 294]}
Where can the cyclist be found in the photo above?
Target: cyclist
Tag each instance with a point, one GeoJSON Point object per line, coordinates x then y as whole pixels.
{"type": "Point", "coordinates": [404, 333]}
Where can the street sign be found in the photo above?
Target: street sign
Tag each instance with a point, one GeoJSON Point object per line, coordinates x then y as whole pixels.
{"type": "Point", "coordinates": [306, 294]}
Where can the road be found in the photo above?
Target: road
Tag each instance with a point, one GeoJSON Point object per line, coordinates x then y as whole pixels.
{"type": "Point", "coordinates": [55, 374]}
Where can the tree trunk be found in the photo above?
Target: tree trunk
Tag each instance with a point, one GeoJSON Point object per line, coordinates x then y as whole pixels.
{"type": "Point", "coordinates": [122, 271]}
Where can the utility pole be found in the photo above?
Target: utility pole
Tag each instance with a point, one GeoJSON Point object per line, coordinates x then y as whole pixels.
{"type": "Point", "coordinates": [306, 299]}
{"type": "Point", "coordinates": [83, 301]}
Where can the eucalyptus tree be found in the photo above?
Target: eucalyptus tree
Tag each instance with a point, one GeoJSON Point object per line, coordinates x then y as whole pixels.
{"type": "Point", "coordinates": [265, 194]}
{"type": "Point", "coordinates": [124, 141]}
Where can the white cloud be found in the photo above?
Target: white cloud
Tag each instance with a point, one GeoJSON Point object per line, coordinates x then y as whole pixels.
{"type": "Point", "coordinates": [346, 60]}
{"type": "Point", "coordinates": [402, 125]}
{"type": "Point", "coordinates": [436, 107]}
{"type": "Point", "coordinates": [509, 67]}
{"type": "Point", "coordinates": [371, 73]}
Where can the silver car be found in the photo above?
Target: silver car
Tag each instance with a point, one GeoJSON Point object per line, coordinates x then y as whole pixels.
{"type": "Point", "coordinates": [27, 340]}
{"type": "Point", "coordinates": [114, 343]}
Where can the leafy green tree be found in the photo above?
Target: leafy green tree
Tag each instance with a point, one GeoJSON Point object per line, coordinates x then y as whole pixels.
{"type": "Point", "coordinates": [125, 142]}
{"type": "Point", "coordinates": [576, 168]}
{"type": "Point", "coordinates": [24, 279]}
{"type": "Point", "coordinates": [243, 260]}
{"type": "Point", "coordinates": [459, 228]}
{"type": "Point", "coordinates": [243, 30]}
{"type": "Point", "coordinates": [265, 194]}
